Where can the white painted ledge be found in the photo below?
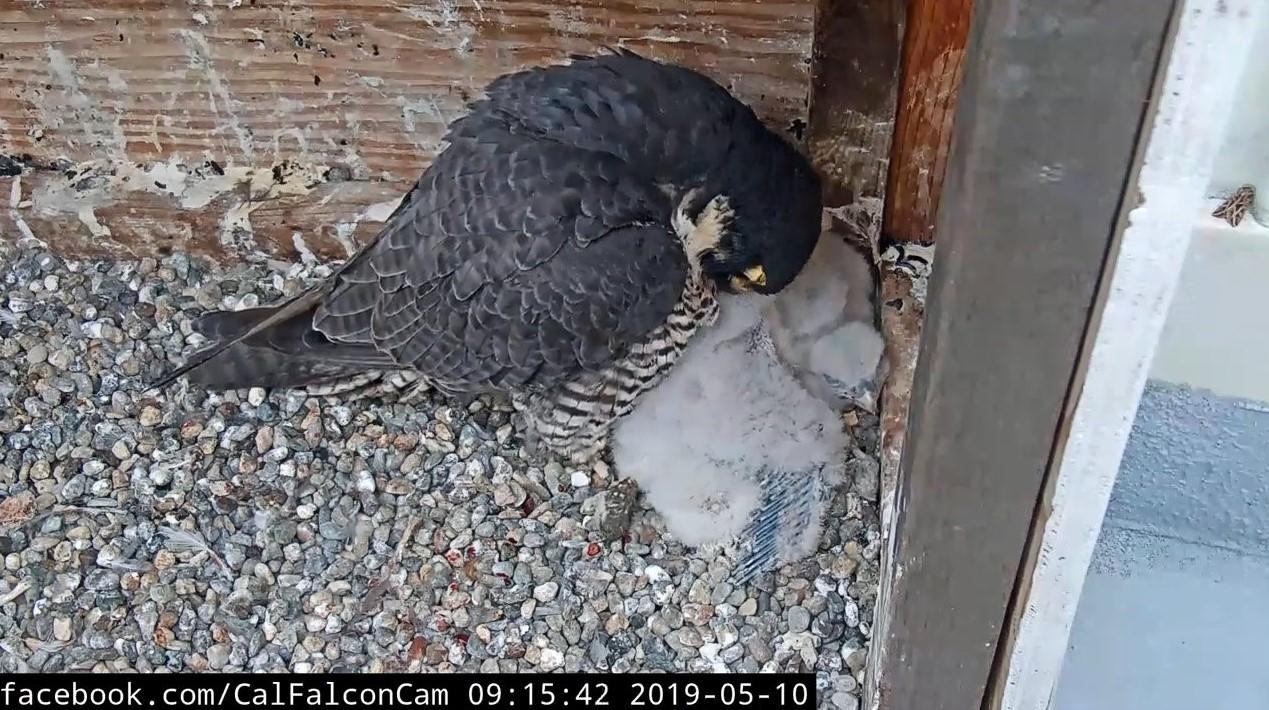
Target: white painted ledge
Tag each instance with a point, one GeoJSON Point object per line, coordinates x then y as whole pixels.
{"type": "Point", "coordinates": [1217, 332]}
{"type": "Point", "coordinates": [1208, 58]}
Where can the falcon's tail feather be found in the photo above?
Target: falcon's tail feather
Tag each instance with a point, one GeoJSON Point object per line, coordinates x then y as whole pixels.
{"type": "Point", "coordinates": [266, 347]}
{"type": "Point", "coordinates": [226, 325]}
{"type": "Point", "coordinates": [241, 365]}
{"type": "Point", "coordinates": [262, 320]}
{"type": "Point", "coordinates": [300, 304]}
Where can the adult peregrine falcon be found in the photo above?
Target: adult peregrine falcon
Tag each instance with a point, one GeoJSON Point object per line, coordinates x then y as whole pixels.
{"type": "Point", "coordinates": [561, 250]}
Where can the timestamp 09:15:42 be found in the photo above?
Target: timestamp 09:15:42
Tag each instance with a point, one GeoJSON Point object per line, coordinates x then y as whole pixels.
{"type": "Point", "coordinates": [643, 691]}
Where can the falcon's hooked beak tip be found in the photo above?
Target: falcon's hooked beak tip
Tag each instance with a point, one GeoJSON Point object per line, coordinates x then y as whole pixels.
{"type": "Point", "coordinates": [756, 275]}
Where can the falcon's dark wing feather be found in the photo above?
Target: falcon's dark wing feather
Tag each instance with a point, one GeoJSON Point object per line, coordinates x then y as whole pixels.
{"type": "Point", "coordinates": [525, 254]}
{"type": "Point", "coordinates": [538, 244]}
{"type": "Point", "coordinates": [668, 122]}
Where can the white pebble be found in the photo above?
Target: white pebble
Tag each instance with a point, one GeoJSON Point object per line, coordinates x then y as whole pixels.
{"type": "Point", "coordinates": [579, 479]}
{"type": "Point", "coordinates": [551, 659]}
{"type": "Point", "coordinates": [365, 482]}
{"type": "Point", "coordinates": [852, 613]}
{"type": "Point", "coordinates": [161, 475]}
{"type": "Point", "coordinates": [256, 396]}
{"type": "Point", "coordinates": [62, 628]}
{"type": "Point", "coordinates": [304, 511]}
{"type": "Point", "coordinates": [656, 573]}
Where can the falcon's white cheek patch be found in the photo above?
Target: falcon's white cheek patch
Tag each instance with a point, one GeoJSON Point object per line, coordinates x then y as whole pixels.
{"type": "Point", "coordinates": [706, 232]}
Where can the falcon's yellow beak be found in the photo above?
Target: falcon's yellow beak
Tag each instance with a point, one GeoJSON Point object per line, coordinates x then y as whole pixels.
{"type": "Point", "coordinates": [757, 275]}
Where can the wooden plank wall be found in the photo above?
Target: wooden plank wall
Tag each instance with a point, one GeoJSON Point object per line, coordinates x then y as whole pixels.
{"type": "Point", "coordinates": [150, 125]}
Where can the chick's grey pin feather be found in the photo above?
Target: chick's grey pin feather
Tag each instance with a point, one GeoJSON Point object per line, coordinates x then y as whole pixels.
{"type": "Point", "coordinates": [562, 250]}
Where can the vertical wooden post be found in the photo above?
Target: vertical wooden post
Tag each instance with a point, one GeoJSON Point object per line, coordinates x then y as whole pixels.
{"type": "Point", "coordinates": [933, 53]}
{"type": "Point", "coordinates": [1050, 109]}
{"type": "Point", "coordinates": [854, 80]}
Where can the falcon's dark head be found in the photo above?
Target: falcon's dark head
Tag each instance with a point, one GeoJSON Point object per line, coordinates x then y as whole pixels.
{"type": "Point", "coordinates": [753, 226]}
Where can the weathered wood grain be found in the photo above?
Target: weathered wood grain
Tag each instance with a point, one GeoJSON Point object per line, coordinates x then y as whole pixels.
{"type": "Point", "coordinates": [365, 88]}
{"type": "Point", "coordinates": [855, 80]}
{"type": "Point", "coordinates": [933, 52]}
{"type": "Point", "coordinates": [854, 83]}
{"type": "Point", "coordinates": [89, 217]}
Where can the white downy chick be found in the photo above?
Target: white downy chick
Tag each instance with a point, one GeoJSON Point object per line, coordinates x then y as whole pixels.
{"type": "Point", "coordinates": [743, 441]}
{"type": "Point", "coordinates": [824, 326]}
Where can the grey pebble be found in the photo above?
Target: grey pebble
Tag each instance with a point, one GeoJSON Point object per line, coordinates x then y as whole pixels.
{"type": "Point", "coordinates": [799, 619]}
{"type": "Point", "coordinates": [546, 592]}
{"type": "Point", "coordinates": [36, 355]}
{"type": "Point", "coordinates": [218, 656]}
{"type": "Point", "coordinates": [331, 533]}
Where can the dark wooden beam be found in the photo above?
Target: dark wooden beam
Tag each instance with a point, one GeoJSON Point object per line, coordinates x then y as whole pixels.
{"type": "Point", "coordinates": [933, 53]}
{"type": "Point", "coordinates": [1050, 111]}
{"type": "Point", "coordinates": [854, 81]}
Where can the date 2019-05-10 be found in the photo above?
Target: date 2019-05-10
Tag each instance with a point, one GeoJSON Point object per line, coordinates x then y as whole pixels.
{"type": "Point", "coordinates": [651, 694]}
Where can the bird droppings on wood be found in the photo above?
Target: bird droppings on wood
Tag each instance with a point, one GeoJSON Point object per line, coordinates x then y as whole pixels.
{"type": "Point", "coordinates": [227, 73]}
{"type": "Point", "coordinates": [123, 207]}
{"type": "Point", "coordinates": [239, 87]}
{"type": "Point", "coordinates": [11, 166]}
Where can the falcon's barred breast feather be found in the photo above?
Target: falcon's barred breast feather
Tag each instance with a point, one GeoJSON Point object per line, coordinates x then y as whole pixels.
{"type": "Point", "coordinates": [561, 250]}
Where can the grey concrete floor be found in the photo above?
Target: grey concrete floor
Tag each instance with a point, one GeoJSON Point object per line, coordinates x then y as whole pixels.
{"type": "Point", "coordinates": [1184, 627]}
{"type": "Point", "coordinates": [1175, 610]}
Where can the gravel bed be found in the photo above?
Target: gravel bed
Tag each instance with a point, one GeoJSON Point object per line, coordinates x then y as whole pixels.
{"type": "Point", "coordinates": [278, 531]}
